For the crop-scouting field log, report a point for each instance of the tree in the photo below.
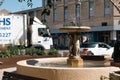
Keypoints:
(116, 3)
(1, 2)
(46, 10)
(29, 2)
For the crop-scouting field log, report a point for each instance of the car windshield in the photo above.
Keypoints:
(88, 45)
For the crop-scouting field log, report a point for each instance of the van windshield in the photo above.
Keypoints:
(43, 32)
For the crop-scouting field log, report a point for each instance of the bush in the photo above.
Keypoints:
(40, 52)
(34, 51)
(14, 50)
(3, 54)
(53, 51)
(30, 50)
(11, 51)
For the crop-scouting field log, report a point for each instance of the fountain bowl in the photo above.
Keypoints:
(57, 69)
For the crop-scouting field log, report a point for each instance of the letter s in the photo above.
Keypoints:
(8, 21)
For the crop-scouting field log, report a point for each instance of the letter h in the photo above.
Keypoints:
(2, 21)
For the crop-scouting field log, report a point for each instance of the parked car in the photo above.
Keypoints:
(96, 48)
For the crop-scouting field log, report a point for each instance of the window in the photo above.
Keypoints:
(118, 35)
(91, 7)
(65, 1)
(104, 23)
(77, 10)
(65, 13)
(107, 7)
(43, 32)
(45, 2)
(55, 1)
(119, 22)
(54, 14)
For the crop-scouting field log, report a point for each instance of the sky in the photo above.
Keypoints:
(14, 5)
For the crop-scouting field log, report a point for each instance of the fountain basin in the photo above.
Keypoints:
(57, 69)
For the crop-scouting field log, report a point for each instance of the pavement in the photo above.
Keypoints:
(12, 69)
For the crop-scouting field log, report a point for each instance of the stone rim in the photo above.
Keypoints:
(74, 28)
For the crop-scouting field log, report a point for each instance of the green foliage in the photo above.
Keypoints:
(53, 51)
(30, 50)
(46, 12)
(34, 51)
(1, 2)
(11, 51)
(21, 0)
(106, 78)
(50, 3)
(21, 50)
(3, 54)
(21, 47)
(40, 52)
(29, 2)
(47, 8)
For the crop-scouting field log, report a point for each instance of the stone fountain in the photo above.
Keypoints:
(66, 68)
(74, 58)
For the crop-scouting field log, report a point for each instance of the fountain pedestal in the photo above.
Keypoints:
(75, 62)
(74, 59)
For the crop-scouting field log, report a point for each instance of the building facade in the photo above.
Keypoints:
(35, 12)
(101, 15)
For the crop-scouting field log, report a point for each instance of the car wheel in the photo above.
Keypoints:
(90, 53)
